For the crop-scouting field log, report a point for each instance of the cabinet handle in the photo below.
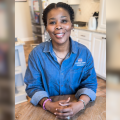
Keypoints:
(83, 35)
(103, 38)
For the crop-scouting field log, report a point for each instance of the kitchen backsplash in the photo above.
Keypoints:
(87, 7)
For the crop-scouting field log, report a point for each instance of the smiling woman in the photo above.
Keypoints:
(60, 66)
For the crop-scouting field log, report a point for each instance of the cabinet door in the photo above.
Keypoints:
(65, 1)
(103, 59)
(97, 47)
(102, 16)
(52, 1)
(56, 1)
(73, 1)
(86, 43)
(74, 33)
(74, 38)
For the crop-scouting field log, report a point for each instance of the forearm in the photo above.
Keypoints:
(85, 98)
(42, 101)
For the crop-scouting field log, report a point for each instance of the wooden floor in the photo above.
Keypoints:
(101, 90)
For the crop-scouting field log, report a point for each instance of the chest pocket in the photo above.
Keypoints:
(76, 74)
(75, 78)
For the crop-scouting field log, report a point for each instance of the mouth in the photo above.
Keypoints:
(59, 35)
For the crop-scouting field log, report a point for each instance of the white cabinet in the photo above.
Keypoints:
(73, 2)
(70, 2)
(99, 53)
(84, 37)
(56, 1)
(86, 43)
(74, 34)
(103, 58)
(102, 16)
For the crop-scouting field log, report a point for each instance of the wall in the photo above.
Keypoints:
(87, 8)
(112, 9)
(23, 29)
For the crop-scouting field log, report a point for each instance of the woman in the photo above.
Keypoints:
(60, 66)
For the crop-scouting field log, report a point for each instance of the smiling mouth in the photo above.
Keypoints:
(60, 35)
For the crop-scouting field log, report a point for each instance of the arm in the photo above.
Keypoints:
(88, 84)
(34, 85)
(33, 80)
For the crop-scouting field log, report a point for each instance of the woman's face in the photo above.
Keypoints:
(59, 25)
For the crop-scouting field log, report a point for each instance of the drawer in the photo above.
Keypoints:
(84, 35)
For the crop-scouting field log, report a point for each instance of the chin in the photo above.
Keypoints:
(60, 41)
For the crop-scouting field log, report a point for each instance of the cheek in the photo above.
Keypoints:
(49, 29)
(68, 27)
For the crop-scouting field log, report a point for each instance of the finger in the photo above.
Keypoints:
(64, 114)
(65, 109)
(65, 101)
(64, 104)
(65, 118)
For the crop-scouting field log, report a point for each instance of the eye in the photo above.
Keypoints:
(52, 22)
(64, 21)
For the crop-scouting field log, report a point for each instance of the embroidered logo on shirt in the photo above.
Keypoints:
(80, 60)
(80, 63)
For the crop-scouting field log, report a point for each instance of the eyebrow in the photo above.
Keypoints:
(54, 18)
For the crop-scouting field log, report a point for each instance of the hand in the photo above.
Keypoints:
(71, 109)
(51, 106)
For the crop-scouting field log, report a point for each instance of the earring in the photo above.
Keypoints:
(46, 33)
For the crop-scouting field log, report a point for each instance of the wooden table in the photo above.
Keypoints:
(94, 110)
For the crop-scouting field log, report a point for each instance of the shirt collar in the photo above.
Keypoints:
(49, 48)
(74, 46)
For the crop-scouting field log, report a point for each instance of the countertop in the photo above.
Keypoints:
(94, 110)
(86, 29)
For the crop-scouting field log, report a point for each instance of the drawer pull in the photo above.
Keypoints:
(83, 35)
(103, 38)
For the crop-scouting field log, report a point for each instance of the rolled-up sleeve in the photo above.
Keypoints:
(88, 84)
(33, 80)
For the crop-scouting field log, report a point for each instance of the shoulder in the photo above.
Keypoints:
(81, 47)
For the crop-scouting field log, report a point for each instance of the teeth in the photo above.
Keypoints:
(60, 34)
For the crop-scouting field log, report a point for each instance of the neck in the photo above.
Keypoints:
(61, 48)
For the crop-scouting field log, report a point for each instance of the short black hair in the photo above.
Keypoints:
(51, 6)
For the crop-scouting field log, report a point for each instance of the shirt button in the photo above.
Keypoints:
(62, 73)
(61, 85)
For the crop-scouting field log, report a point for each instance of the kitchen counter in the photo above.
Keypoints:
(86, 29)
(94, 110)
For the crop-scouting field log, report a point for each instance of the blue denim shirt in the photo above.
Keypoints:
(45, 77)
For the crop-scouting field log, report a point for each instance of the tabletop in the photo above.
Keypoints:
(94, 110)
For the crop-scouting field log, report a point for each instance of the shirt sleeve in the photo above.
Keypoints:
(33, 80)
(88, 84)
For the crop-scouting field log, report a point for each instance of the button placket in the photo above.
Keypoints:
(61, 82)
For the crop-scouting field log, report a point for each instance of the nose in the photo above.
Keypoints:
(58, 26)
